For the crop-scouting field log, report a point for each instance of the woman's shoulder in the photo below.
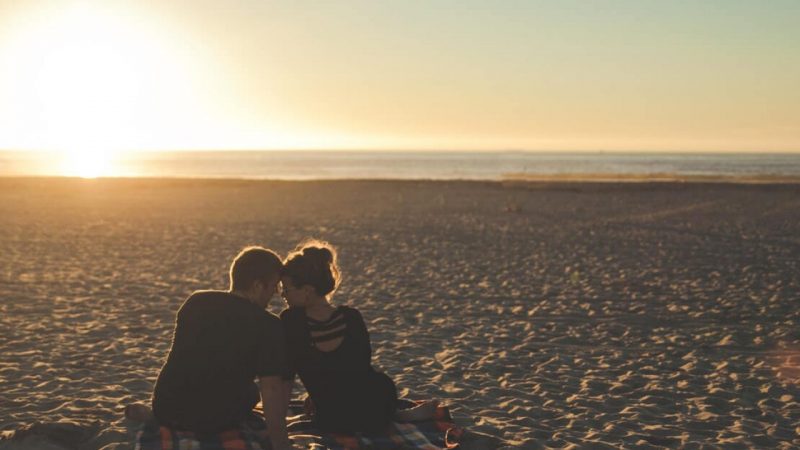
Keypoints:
(352, 315)
(348, 310)
(297, 315)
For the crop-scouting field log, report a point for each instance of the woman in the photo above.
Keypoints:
(329, 349)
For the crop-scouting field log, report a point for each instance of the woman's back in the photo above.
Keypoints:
(332, 358)
(335, 347)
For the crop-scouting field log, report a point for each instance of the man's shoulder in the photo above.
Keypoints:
(198, 297)
(209, 293)
(216, 300)
(201, 295)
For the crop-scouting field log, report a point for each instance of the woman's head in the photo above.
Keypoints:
(310, 272)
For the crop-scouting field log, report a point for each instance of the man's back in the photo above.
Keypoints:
(221, 343)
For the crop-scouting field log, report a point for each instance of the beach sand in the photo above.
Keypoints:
(547, 314)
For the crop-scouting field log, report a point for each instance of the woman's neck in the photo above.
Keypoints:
(319, 308)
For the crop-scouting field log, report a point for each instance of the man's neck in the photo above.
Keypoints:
(245, 295)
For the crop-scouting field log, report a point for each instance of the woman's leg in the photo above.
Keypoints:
(423, 411)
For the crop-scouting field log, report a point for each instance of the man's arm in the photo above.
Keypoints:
(272, 399)
(287, 392)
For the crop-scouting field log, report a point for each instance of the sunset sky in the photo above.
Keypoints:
(534, 75)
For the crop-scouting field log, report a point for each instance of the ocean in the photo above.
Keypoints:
(307, 165)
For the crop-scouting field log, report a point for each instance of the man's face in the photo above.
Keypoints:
(268, 288)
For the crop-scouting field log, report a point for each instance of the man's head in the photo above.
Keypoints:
(255, 274)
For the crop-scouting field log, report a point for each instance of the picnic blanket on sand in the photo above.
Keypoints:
(438, 433)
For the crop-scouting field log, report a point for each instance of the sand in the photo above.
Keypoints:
(548, 315)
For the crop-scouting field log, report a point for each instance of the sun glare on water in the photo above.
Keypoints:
(87, 163)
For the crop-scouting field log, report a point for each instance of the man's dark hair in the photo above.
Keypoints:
(253, 264)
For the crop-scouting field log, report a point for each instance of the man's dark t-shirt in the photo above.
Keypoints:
(222, 342)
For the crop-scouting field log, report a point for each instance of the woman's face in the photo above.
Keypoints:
(294, 296)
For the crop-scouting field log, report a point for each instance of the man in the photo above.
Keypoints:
(223, 340)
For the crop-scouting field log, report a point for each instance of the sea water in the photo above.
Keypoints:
(306, 165)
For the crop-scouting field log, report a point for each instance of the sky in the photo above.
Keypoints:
(447, 75)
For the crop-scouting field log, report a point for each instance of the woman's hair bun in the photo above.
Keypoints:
(313, 263)
(319, 254)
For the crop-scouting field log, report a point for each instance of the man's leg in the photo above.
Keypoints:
(138, 412)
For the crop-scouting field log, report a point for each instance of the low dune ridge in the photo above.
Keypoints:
(547, 315)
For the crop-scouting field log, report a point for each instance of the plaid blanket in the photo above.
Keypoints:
(436, 434)
(251, 435)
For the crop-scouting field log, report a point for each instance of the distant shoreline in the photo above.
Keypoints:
(514, 178)
(500, 166)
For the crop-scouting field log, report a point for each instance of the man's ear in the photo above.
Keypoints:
(308, 290)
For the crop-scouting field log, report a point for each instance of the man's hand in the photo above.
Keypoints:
(308, 406)
(287, 393)
(273, 400)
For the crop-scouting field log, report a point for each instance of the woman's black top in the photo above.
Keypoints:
(348, 394)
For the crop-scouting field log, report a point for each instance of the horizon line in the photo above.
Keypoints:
(423, 150)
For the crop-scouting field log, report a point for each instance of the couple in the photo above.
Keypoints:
(224, 340)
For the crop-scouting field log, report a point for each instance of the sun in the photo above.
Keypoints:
(88, 89)
(87, 163)
(89, 81)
